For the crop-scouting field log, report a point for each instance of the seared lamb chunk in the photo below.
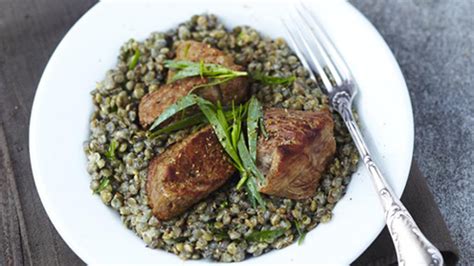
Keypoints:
(233, 90)
(154, 103)
(185, 173)
(292, 159)
(297, 151)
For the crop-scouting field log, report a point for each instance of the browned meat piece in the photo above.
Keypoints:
(196, 51)
(154, 103)
(299, 146)
(186, 173)
(235, 89)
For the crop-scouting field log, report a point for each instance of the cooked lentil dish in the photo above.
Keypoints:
(224, 226)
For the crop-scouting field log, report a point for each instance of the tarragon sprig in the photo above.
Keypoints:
(217, 73)
(227, 125)
(273, 80)
(134, 60)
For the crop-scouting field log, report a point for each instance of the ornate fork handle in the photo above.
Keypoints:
(412, 246)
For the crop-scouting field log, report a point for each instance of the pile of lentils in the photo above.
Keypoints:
(216, 228)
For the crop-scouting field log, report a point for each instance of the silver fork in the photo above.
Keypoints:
(319, 55)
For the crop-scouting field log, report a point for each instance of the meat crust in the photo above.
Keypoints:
(299, 146)
(154, 103)
(233, 90)
(185, 173)
(293, 157)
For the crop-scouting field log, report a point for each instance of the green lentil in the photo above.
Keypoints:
(216, 227)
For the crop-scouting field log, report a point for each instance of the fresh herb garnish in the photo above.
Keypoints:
(134, 61)
(232, 140)
(230, 135)
(186, 122)
(248, 162)
(301, 234)
(250, 192)
(262, 128)
(265, 235)
(244, 174)
(212, 83)
(186, 49)
(104, 182)
(255, 115)
(236, 129)
(183, 103)
(217, 73)
(224, 204)
(242, 37)
(273, 80)
(253, 193)
(110, 153)
(249, 156)
(221, 128)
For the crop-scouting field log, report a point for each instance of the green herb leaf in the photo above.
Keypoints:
(262, 128)
(221, 131)
(104, 182)
(177, 64)
(236, 125)
(254, 194)
(185, 73)
(247, 160)
(201, 68)
(242, 36)
(265, 235)
(224, 204)
(183, 103)
(211, 84)
(219, 71)
(273, 80)
(186, 69)
(255, 114)
(134, 61)
(221, 116)
(248, 189)
(186, 49)
(231, 137)
(183, 69)
(110, 153)
(301, 234)
(186, 122)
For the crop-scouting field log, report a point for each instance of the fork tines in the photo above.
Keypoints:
(314, 48)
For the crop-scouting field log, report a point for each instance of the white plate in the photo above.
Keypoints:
(62, 107)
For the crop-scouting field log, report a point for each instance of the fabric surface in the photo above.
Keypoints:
(29, 32)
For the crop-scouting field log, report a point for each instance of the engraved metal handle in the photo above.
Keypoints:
(411, 245)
